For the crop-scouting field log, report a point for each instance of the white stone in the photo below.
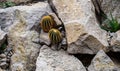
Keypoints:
(50, 60)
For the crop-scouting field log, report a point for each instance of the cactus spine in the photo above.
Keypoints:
(55, 36)
(47, 23)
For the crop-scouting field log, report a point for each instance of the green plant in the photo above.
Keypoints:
(2, 48)
(6, 4)
(47, 23)
(111, 25)
(55, 36)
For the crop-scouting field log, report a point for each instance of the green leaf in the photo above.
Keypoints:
(111, 25)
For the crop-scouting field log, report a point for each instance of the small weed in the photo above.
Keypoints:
(111, 25)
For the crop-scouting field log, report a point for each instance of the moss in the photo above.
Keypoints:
(6, 4)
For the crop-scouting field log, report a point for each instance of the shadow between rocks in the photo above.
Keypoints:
(85, 58)
(115, 57)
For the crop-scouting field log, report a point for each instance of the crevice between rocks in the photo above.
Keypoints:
(100, 16)
(115, 56)
(85, 59)
(55, 11)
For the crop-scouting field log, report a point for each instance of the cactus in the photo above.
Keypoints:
(47, 23)
(55, 36)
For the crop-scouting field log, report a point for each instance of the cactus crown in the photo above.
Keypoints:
(47, 23)
(55, 36)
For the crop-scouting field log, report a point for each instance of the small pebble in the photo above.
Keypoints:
(64, 42)
(2, 56)
(63, 33)
(60, 28)
(3, 60)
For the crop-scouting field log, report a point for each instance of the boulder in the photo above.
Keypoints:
(101, 62)
(82, 29)
(22, 35)
(32, 14)
(50, 60)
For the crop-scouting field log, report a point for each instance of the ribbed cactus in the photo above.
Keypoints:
(55, 36)
(47, 23)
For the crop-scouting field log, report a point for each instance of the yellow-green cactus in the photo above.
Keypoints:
(47, 23)
(55, 36)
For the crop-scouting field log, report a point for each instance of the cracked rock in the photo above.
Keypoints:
(21, 37)
(50, 60)
(101, 62)
(81, 26)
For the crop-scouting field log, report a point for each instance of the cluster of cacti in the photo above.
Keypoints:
(47, 23)
(55, 36)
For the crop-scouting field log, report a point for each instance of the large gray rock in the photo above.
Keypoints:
(32, 14)
(101, 62)
(21, 37)
(83, 32)
(50, 60)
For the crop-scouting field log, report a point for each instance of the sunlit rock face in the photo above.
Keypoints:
(83, 32)
(21, 34)
(50, 60)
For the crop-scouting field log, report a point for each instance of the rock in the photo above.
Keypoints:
(8, 51)
(2, 56)
(25, 51)
(21, 37)
(101, 62)
(3, 60)
(3, 65)
(3, 36)
(115, 42)
(49, 60)
(81, 26)
(8, 15)
(2, 69)
(112, 6)
(58, 22)
(44, 38)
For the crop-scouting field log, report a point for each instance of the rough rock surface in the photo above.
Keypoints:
(81, 26)
(101, 62)
(50, 60)
(21, 37)
(112, 6)
(115, 42)
(32, 14)
(2, 37)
